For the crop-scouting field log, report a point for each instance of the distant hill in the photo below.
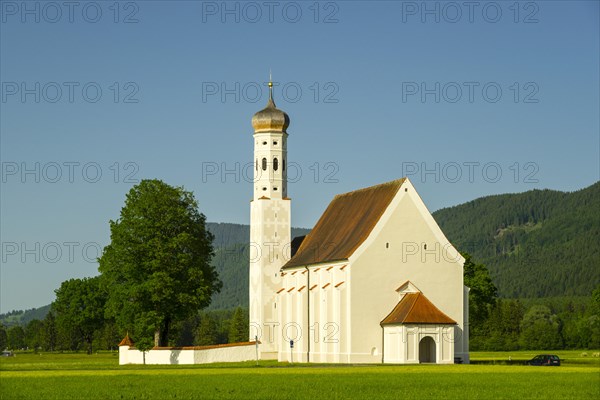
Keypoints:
(20, 317)
(540, 243)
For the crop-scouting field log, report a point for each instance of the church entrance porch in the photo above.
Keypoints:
(427, 350)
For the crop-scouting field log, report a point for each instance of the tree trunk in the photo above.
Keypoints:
(157, 337)
(164, 334)
(161, 334)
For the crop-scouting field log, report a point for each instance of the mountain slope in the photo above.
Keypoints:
(540, 243)
(232, 261)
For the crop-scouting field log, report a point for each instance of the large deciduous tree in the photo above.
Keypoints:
(541, 330)
(79, 308)
(157, 267)
(15, 337)
(483, 293)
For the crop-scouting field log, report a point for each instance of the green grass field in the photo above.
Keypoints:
(78, 376)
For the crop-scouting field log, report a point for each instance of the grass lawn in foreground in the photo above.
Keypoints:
(78, 376)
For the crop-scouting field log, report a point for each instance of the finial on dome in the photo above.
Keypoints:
(271, 88)
(270, 119)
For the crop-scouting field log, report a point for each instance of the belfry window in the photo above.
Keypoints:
(275, 164)
(264, 164)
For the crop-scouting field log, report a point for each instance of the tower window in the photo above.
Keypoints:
(264, 189)
(264, 143)
(256, 165)
(275, 189)
(264, 164)
(424, 246)
(274, 142)
(275, 164)
(387, 245)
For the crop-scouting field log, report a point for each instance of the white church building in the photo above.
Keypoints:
(375, 281)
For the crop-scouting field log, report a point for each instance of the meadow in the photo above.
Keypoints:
(79, 376)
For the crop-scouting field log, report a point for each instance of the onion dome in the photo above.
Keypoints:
(270, 118)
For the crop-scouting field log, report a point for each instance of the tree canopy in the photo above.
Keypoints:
(483, 293)
(158, 263)
(80, 305)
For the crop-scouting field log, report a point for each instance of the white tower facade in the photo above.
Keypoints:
(270, 224)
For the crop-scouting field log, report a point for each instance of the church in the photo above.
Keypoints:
(375, 281)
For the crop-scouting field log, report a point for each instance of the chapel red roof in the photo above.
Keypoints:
(345, 224)
(415, 308)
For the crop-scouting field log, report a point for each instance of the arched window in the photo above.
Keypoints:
(264, 164)
(275, 164)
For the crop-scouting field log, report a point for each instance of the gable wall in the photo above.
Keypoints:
(378, 271)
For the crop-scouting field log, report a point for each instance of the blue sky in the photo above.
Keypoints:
(502, 97)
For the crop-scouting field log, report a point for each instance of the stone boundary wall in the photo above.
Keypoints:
(233, 352)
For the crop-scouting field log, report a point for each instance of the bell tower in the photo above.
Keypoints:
(270, 224)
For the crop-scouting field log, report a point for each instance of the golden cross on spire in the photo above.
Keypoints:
(270, 86)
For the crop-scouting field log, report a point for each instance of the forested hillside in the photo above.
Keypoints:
(540, 243)
(232, 262)
(20, 317)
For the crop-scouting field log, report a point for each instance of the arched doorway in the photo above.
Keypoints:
(427, 350)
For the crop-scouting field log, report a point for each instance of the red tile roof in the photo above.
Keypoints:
(345, 224)
(126, 341)
(214, 346)
(415, 308)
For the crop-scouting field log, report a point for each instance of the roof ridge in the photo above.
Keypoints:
(399, 181)
(412, 305)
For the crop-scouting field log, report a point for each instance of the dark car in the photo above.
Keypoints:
(545, 360)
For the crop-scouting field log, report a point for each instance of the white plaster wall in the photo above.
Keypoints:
(270, 237)
(401, 343)
(378, 270)
(325, 335)
(269, 178)
(129, 355)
